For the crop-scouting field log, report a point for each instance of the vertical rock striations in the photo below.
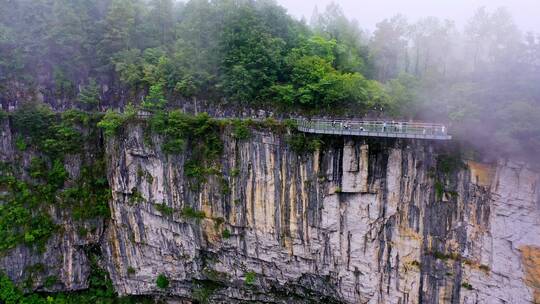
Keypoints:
(358, 221)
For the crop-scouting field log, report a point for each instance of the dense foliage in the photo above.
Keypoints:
(30, 192)
(105, 53)
(231, 50)
(126, 57)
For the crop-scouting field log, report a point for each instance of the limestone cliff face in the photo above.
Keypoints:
(358, 221)
(65, 255)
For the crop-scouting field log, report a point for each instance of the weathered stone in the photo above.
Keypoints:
(387, 237)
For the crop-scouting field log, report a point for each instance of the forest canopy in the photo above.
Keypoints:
(246, 52)
(94, 55)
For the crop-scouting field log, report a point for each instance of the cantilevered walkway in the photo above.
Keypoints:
(392, 129)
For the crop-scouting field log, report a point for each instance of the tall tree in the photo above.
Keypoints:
(431, 46)
(351, 53)
(252, 56)
(119, 27)
(389, 47)
(161, 20)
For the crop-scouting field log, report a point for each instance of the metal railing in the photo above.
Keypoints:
(393, 129)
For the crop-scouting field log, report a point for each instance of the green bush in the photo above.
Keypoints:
(218, 221)
(439, 190)
(203, 293)
(226, 234)
(50, 281)
(22, 219)
(241, 130)
(290, 123)
(164, 209)
(20, 143)
(33, 121)
(449, 163)
(302, 143)
(190, 213)
(43, 129)
(467, 286)
(135, 197)
(100, 291)
(235, 172)
(76, 117)
(200, 132)
(89, 97)
(111, 122)
(82, 231)
(162, 281)
(130, 271)
(174, 146)
(89, 196)
(9, 293)
(250, 278)
(156, 98)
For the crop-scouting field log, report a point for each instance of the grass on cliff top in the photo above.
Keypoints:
(112, 121)
(201, 133)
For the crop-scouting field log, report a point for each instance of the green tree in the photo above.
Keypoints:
(351, 51)
(129, 66)
(89, 95)
(403, 95)
(119, 26)
(389, 47)
(315, 83)
(252, 56)
(161, 20)
(155, 98)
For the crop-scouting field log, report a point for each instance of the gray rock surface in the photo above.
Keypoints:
(358, 221)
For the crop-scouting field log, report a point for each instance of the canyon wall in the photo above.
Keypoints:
(356, 221)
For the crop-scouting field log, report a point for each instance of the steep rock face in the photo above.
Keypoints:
(358, 221)
(510, 244)
(64, 256)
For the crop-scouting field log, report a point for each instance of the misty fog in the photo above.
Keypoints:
(478, 73)
(368, 14)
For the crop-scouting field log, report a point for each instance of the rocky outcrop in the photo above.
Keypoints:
(509, 243)
(357, 221)
(63, 260)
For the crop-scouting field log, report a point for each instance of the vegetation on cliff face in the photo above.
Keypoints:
(100, 291)
(105, 55)
(32, 191)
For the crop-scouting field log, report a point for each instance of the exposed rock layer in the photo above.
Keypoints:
(358, 221)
